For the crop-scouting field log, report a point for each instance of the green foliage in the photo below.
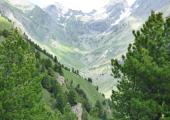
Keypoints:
(90, 91)
(4, 24)
(90, 80)
(57, 68)
(81, 92)
(85, 115)
(61, 102)
(143, 89)
(20, 88)
(72, 97)
(5, 33)
(49, 83)
(37, 55)
(22, 72)
(69, 115)
(75, 71)
(28, 83)
(47, 63)
(87, 106)
(55, 59)
(98, 111)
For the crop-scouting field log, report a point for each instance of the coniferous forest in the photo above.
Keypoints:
(31, 87)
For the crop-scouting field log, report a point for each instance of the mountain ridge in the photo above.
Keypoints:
(84, 41)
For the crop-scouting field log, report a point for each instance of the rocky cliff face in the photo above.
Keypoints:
(86, 41)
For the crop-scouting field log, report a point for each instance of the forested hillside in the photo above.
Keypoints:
(35, 86)
(85, 41)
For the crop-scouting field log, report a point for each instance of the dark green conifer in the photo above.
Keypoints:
(143, 89)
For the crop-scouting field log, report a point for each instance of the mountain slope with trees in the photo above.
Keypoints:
(76, 37)
(30, 83)
(34, 85)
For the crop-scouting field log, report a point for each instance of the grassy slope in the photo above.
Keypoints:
(4, 24)
(87, 87)
(66, 54)
(92, 94)
(49, 100)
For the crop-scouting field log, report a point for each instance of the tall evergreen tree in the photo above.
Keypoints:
(20, 88)
(143, 89)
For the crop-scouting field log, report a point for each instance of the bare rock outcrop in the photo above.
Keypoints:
(61, 80)
(78, 110)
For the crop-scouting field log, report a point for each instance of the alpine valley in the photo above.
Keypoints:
(84, 41)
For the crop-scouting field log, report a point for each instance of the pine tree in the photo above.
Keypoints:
(20, 88)
(61, 102)
(72, 97)
(55, 59)
(143, 89)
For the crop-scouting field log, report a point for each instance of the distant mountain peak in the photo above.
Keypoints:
(113, 2)
(86, 40)
(58, 7)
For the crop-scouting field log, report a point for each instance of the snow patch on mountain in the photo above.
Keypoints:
(100, 14)
(62, 8)
(104, 55)
(84, 18)
(130, 2)
(88, 40)
(124, 14)
(113, 2)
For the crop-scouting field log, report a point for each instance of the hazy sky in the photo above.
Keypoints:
(84, 5)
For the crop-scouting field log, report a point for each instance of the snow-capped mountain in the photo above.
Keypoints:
(86, 41)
